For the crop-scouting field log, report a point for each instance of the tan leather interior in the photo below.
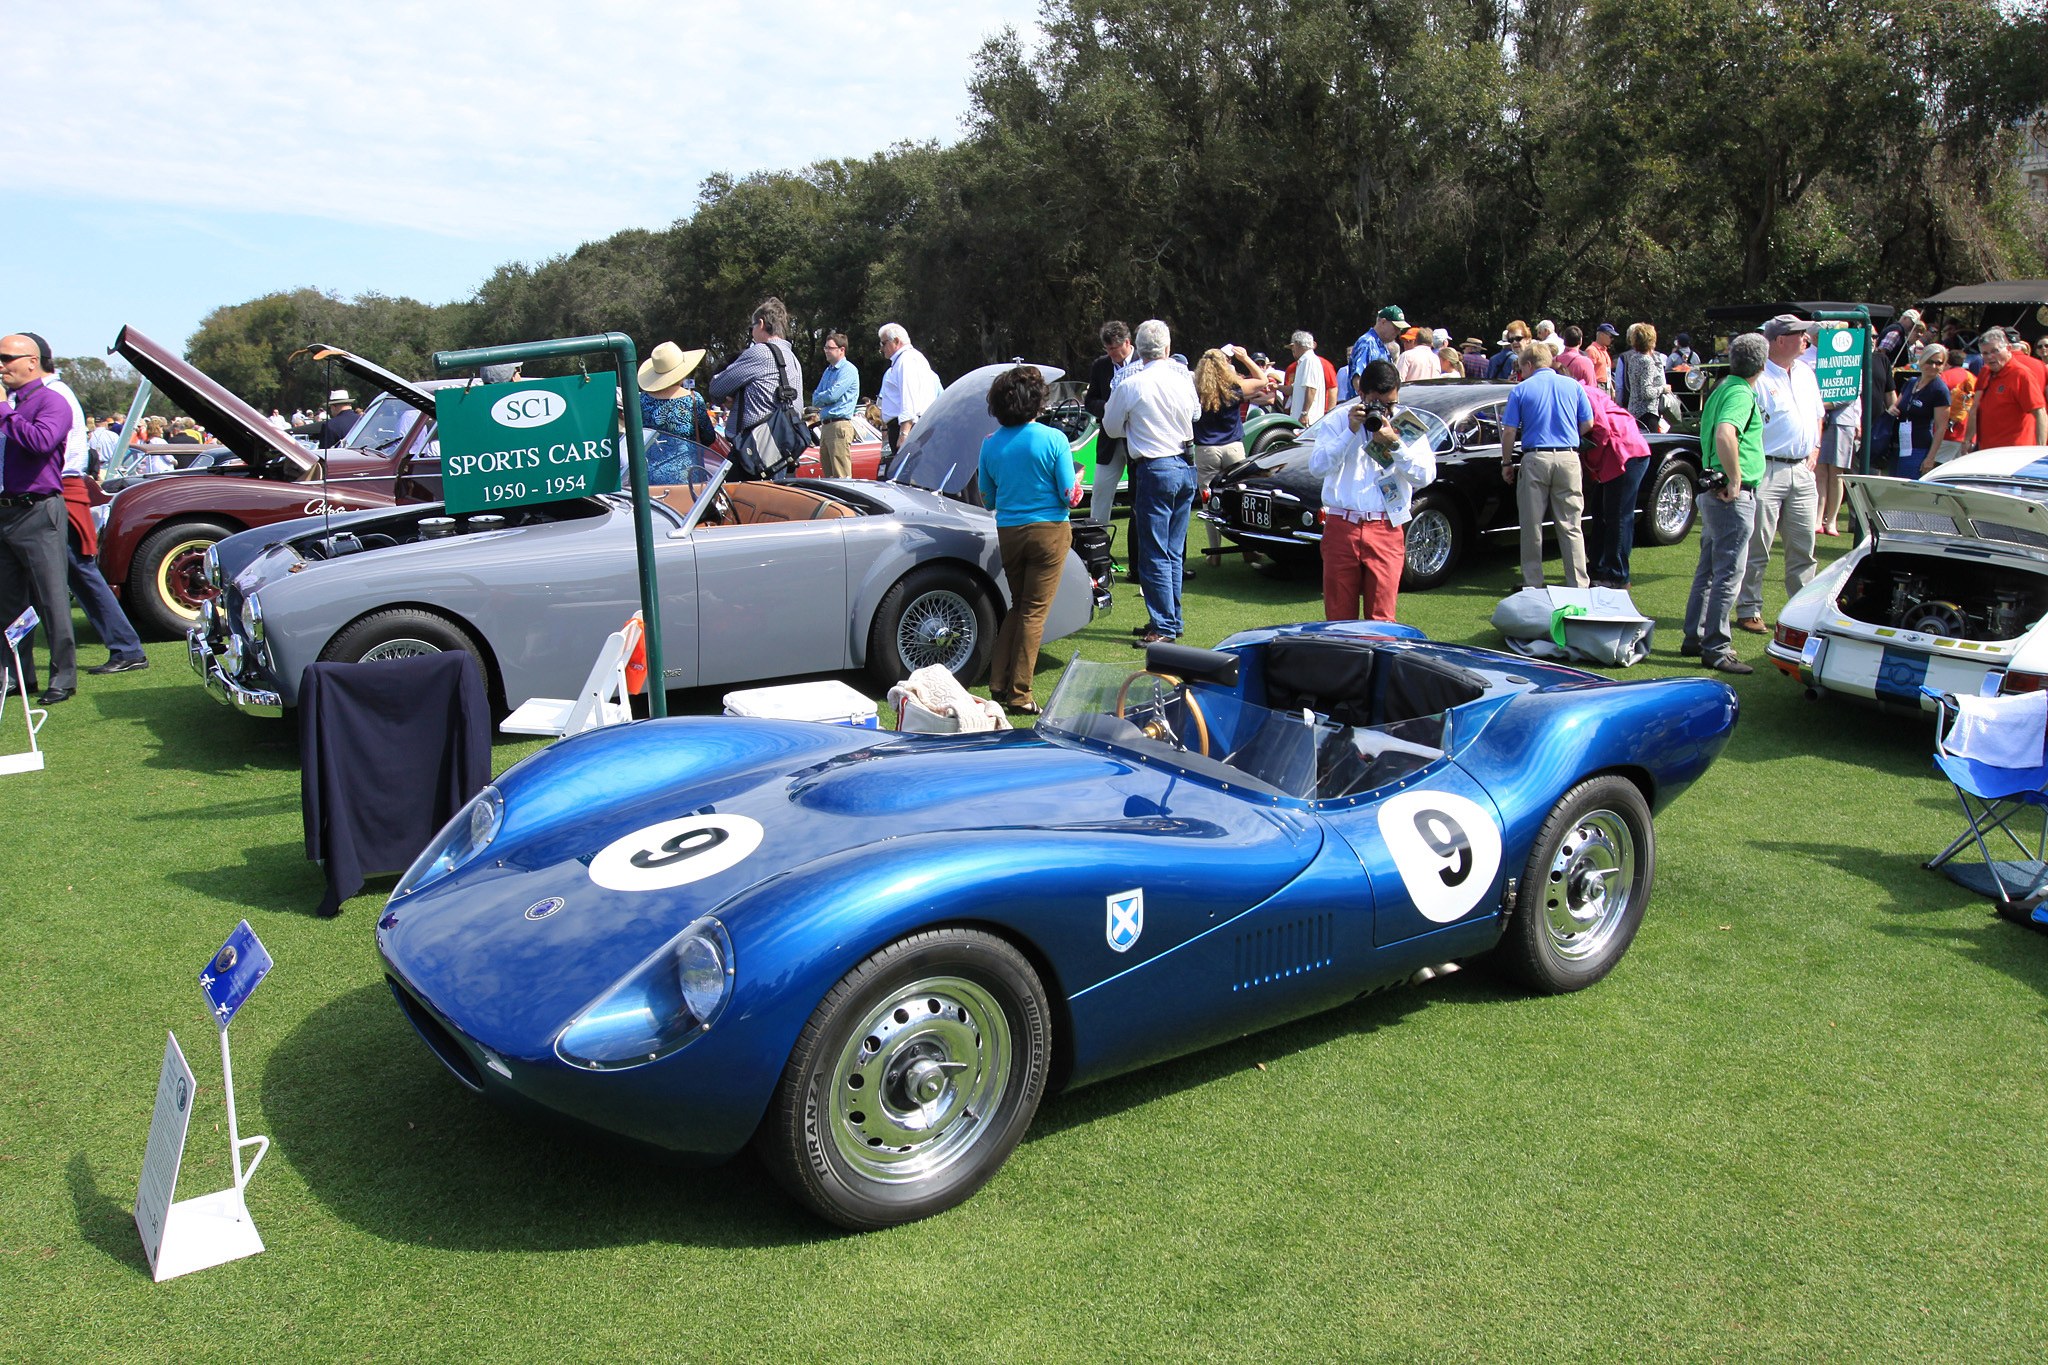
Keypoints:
(752, 504)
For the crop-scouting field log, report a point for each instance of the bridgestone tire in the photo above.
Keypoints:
(400, 633)
(165, 584)
(956, 1011)
(1584, 890)
(949, 620)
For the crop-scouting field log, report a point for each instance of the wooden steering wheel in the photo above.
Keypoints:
(1194, 708)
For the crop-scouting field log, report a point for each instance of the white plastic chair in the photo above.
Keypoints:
(602, 700)
(33, 716)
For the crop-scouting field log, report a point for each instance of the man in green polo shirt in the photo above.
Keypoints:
(1731, 440)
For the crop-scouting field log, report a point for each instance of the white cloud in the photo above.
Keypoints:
(521, 121)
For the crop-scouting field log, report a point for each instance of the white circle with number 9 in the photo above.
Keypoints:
(1447, 849)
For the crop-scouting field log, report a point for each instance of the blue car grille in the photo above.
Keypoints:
(437, 1037)
(1267, 955)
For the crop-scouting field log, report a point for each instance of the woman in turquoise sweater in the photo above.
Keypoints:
(1029, 480)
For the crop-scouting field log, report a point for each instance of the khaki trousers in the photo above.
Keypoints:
(1033, 557)
(1551, 481)
(835, 448)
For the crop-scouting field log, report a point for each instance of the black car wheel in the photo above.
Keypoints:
(913, 1081)
(1436, 542)
(1270, 438)
(1672, 504)
(933, 615)
(402, 633)
(167, 577)
(1584, 890)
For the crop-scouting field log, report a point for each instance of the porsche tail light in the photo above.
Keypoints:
(2022, 682)
(1789, 638)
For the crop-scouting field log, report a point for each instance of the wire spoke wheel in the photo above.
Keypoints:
(1671, 513)
(918, 1079)
(1429, 542)
(399, 649)
(938, 627)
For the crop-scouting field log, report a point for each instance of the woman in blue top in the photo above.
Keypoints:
(1030, 481)
(1924, 408)
(677, 421)
(1225, 381)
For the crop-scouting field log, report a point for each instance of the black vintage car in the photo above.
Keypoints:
(1272, 504)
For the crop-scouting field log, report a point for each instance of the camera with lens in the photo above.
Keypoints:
(1375, 414)
(1713, 481)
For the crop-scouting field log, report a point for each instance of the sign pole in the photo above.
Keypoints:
(626, 362)
(1859, 318)
(235, 1140)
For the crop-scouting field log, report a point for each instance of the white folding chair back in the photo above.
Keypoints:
(601, 701)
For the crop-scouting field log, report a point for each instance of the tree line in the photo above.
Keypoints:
(1244, 170)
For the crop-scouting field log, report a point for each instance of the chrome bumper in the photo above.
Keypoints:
(226, 690)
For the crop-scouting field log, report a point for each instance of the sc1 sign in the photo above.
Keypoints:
(529, 408)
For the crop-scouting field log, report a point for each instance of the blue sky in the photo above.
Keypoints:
(204, 153)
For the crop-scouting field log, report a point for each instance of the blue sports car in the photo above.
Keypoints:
(871, 956)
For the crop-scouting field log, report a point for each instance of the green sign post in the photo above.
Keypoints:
(625, 362)
(536, 440)
(1856, 320)
(1838, 362)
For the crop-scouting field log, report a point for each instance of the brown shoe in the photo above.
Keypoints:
(1728, 663)
(1754, 625)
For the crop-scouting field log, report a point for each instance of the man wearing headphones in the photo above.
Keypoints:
(32, 518)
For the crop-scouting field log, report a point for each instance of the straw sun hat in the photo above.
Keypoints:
(666, 365)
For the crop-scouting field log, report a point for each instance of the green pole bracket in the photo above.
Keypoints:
(1861, 317)
(626, 360)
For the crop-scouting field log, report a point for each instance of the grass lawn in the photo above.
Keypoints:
(1798, 1123)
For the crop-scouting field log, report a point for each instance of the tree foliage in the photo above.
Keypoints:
(1244, 170)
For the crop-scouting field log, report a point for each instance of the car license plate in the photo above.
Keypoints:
(1258, 511)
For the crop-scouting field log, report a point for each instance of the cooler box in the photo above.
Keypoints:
(831, 703)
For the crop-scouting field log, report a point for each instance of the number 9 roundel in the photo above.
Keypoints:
(1447, 849)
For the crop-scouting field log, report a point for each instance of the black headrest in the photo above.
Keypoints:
(1193, 665)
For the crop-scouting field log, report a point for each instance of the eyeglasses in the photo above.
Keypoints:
(25, 355)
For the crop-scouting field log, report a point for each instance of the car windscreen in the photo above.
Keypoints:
(943, 453)
(1195, 729)
(383, 424)
(2015, 488)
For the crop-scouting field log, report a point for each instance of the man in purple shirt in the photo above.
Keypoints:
(32, 566)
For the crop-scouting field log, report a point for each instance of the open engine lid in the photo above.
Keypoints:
(231, 421)
(412, 395)
(1938, 512)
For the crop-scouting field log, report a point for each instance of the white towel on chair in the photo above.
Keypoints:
(2005, 732)
(937, 691)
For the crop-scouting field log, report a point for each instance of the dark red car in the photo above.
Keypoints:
(158, 529)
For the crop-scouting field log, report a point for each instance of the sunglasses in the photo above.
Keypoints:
(25, 355)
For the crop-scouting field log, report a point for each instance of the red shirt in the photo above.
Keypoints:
(2006, 403)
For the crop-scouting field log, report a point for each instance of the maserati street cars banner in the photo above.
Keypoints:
(533, 440)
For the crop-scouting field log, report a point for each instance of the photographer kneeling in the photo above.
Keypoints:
(1369, 480)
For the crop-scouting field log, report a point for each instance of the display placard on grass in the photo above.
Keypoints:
(533, 440)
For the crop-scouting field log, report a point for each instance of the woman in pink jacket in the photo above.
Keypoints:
(1615, 456)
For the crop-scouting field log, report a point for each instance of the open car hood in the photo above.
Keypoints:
(943, 454)
(1944, 513)
(412, 395)
(232, 422)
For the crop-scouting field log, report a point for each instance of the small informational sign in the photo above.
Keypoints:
(174, 1091)
(534, 440)
(232, 972)
(1838, 361)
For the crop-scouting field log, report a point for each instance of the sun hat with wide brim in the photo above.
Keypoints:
(666, 365)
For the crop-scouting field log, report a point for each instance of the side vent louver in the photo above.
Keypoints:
(1268, 955)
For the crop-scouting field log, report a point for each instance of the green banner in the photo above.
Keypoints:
(1838, 361)
(534, 440)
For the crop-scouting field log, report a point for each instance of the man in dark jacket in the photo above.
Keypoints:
(1110, 453)
(747, 386)
(341, 419)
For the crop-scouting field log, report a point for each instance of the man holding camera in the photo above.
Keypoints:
(1548, 413)
(1732, 443)
(1369, 481)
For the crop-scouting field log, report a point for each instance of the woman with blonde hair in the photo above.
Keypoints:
(1225, 380)
(1450, 362)
(1642, 376)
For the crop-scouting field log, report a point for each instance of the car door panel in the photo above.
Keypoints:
(771, 599)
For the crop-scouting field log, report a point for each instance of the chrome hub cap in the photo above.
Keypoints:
(399, 649)
(1429, 542)
(1674, 505)
(1589, 885)
(919, 1079)
(938, 628)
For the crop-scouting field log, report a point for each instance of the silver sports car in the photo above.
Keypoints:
(757, 580)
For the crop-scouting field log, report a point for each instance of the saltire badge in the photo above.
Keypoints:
(231, 973)
(1126, 919)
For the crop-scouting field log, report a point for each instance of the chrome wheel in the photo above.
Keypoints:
(398, 649)
(919, 1080)
(1589, 885)
(1430, 537)
(938, 627)
(1671, 514)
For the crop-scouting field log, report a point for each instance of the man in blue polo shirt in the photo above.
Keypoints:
(838, 390)
(1546, 414)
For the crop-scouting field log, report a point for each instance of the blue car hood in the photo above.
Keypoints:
(829, 800)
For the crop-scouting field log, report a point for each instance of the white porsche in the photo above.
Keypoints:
(1947, 589)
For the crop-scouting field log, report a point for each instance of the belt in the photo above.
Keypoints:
(1784, 459)
(24, 499)
(1552, 449)
(1347, 514)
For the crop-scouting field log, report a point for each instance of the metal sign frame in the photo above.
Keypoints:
(626, 363)
(1872, 367)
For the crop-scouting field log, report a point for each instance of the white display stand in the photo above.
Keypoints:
(32, 761)
(211, 1229)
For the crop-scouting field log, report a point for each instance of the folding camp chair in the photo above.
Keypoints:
(32, 761)
(602, 700)
(1990, 797)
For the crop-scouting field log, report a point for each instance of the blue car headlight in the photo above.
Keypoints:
(667, 1001)
(461, 839)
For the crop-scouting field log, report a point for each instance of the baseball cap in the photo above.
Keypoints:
(1392, 313)
(1608, 328)
(1784, 325)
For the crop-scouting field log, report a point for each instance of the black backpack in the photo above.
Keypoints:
(788, 436)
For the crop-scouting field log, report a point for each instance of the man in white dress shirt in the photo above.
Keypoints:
(1154, 408)
(1308, 395)
(908, 388)
(1788, 395)
(1370, 470)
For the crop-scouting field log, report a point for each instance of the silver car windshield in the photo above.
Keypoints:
(383, 425)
